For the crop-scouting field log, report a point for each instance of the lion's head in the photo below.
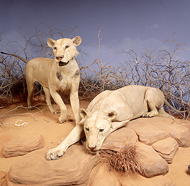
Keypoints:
(64, 49)
(97, 126)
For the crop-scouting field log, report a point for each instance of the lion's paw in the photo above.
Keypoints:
(149, 114)
(30, 108)
(62, 119)
(54, 154)
(146, 115)
(55, 112)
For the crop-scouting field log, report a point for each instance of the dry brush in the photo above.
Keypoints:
(158, 69)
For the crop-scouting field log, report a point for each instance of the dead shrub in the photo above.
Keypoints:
(157, 69)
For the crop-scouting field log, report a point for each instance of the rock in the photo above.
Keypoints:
(2, 178)
(177, 130)
(72, 169)
(101, 176)
(119, 139)
(146, 131)
(19, 146)
(167, 148)
(151, 130)
(151, 161)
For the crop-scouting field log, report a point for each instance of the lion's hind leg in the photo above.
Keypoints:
(48, 101)
(153, 110)
(154, 99)
(30, 90)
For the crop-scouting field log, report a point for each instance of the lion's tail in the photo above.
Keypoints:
(16, 56)
(168, 104)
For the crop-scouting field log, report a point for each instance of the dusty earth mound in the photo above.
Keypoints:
(161, 145)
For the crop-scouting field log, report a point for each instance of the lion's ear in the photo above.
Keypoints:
(77, 40)
(111, 115)
(83, 113)
(50, 42)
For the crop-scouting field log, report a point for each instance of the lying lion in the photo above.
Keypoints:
(59, 74)
(109, 111)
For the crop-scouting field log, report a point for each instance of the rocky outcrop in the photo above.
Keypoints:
(72, 169)
(152, 163)
(19, 146)
(156, 141)
(102, 176)
(119, 139)
(146, 131)
(166, 148)
(151, 130)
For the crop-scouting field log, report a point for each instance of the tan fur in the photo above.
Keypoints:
(59, 74)
(109, 111)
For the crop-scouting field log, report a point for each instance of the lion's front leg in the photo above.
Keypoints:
(73, 137)
(75, 105)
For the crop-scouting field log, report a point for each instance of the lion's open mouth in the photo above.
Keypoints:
(63, 63)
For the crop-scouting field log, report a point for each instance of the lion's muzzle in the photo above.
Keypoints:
(59, 58)
(92, 148)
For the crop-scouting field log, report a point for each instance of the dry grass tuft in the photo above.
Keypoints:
(125, 160)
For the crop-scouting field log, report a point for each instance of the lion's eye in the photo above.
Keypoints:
(87, 129)
(55, 48)
(67, 46)
(101, 130)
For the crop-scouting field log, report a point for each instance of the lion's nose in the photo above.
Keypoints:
(59, 58)
(92, 148)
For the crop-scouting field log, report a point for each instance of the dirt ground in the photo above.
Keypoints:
(15, 120)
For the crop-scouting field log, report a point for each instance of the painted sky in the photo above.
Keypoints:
(127, 24)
